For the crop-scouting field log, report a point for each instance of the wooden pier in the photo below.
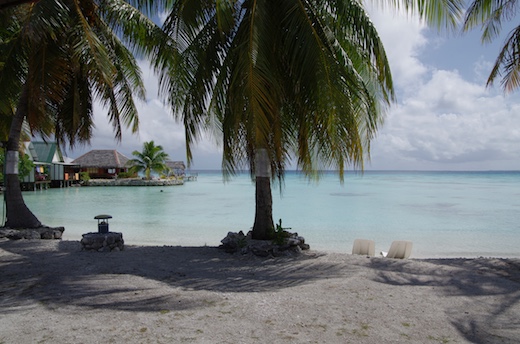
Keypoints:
(191, 177)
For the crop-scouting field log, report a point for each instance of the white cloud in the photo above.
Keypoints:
(404, 41)
(482, 68)
(450, 123)
(443, 120)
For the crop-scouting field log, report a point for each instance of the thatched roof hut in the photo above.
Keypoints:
(177, 167)
(102, 158)
(102, 163)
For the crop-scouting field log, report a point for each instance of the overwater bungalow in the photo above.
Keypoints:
(177, 168)
(50, 168)
(102, 163)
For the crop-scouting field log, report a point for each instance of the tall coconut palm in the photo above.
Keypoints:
(489, 15)
(302, 78)
(57, 57)
(152, 158)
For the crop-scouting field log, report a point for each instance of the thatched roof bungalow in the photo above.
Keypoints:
(177, 167)
(102, 163)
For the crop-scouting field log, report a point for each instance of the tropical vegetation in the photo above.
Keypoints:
(282, 80)
(490, 15)
(151, 159)
(25, 165)
(56, 58)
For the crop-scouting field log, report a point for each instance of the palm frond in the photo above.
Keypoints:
(490, 15)
(304, 78)
(439, 13)
(507, 63)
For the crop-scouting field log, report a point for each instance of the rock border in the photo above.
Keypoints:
(43, 232)
(293, 244)
(102, 242)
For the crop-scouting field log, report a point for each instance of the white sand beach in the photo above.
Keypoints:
(52, 292)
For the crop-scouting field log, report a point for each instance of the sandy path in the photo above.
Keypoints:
(51, 292)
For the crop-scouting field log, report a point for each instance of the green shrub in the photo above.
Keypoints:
(126, 175)
(25, 166)
(84, 176)
(280, 233)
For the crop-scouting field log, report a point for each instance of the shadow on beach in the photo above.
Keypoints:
(479, 297)
(102, 279)
(484, 292)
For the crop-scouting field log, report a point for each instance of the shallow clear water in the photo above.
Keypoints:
(445, 214)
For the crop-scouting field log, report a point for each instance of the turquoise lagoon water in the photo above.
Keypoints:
(445, 214)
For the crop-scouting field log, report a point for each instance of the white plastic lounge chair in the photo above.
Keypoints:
(364, 247)
(400, 249)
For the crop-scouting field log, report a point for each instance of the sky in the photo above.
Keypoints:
(445, 117)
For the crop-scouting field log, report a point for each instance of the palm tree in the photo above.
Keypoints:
(281, 79)
(489, 14)
(152, 158)
(57, 57)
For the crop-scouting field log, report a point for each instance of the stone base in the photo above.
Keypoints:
(244, 244)
(102, 242)
(43, 232)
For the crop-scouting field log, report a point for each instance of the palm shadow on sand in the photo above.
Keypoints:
(144, 278)
(485, 292)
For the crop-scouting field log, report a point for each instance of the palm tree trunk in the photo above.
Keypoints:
(264, 226)
(17, 213)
